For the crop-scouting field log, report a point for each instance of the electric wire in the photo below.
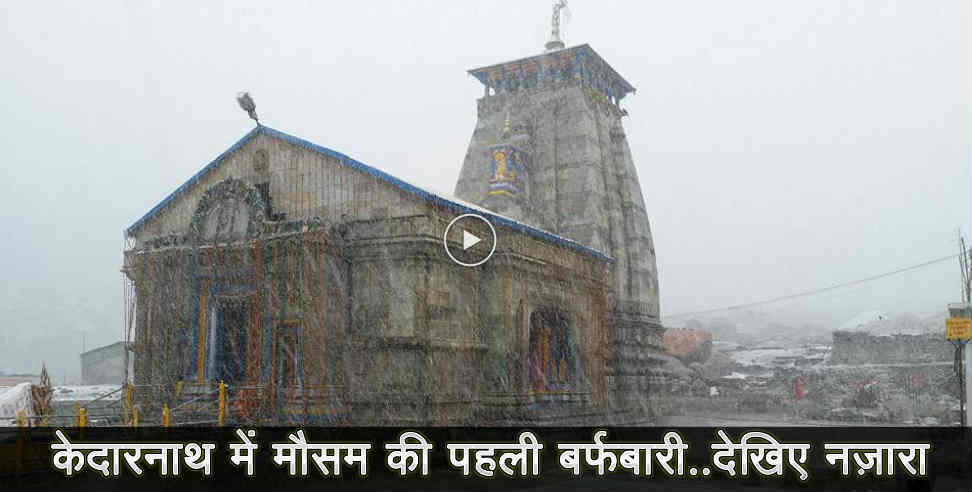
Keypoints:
(817, 291)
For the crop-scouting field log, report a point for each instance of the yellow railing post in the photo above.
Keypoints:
(135, 417)
(221, 406)
(20, 441)
(83, 417)
(128, 402)
(165, 415)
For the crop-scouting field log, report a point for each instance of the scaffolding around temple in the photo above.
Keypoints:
(261, 315)
(317, 290)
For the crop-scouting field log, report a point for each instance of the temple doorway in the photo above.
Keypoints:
(550, 352)
(227, 361)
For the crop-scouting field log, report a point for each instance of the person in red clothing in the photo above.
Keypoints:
(798, 388)
(798, 393)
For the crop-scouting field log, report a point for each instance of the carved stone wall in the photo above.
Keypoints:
(583, 185)
(360, 317)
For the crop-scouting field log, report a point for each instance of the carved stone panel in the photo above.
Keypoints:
(229, 211)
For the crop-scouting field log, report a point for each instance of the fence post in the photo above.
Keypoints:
(83, 417)
(20, 442)
(165, 415)
(221, 408)
(128, 402)
(135, 417)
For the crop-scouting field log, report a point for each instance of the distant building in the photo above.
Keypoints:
(104, 365)
(857, 347)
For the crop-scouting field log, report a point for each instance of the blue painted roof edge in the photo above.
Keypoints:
(132, 229)
(398, 183)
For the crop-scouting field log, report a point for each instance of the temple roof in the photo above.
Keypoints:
(586, 56)
(459, 206)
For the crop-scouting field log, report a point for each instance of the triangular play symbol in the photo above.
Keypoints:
(469, 240)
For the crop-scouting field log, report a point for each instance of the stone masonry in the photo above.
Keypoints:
(549, 149)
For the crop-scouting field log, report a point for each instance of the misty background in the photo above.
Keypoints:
(781, 146)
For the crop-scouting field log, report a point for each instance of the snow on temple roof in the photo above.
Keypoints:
(429, 196)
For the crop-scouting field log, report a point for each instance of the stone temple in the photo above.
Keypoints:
(318, 288)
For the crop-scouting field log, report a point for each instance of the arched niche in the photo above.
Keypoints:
(551, 365)
(228, 211)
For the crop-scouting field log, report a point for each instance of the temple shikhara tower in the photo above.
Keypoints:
(549, 149)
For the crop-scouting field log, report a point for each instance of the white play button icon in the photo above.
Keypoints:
(470, 230)
(469, 240)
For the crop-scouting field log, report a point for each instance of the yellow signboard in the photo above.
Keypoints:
(958, 328)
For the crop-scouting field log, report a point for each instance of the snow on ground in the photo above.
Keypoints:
(735, 375)
(86, 393)
(12, 400)
(770, 357)
(862, 319)
(760, 363)
(761, 357)
(724, 346)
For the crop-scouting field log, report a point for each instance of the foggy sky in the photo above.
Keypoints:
(781, 146)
